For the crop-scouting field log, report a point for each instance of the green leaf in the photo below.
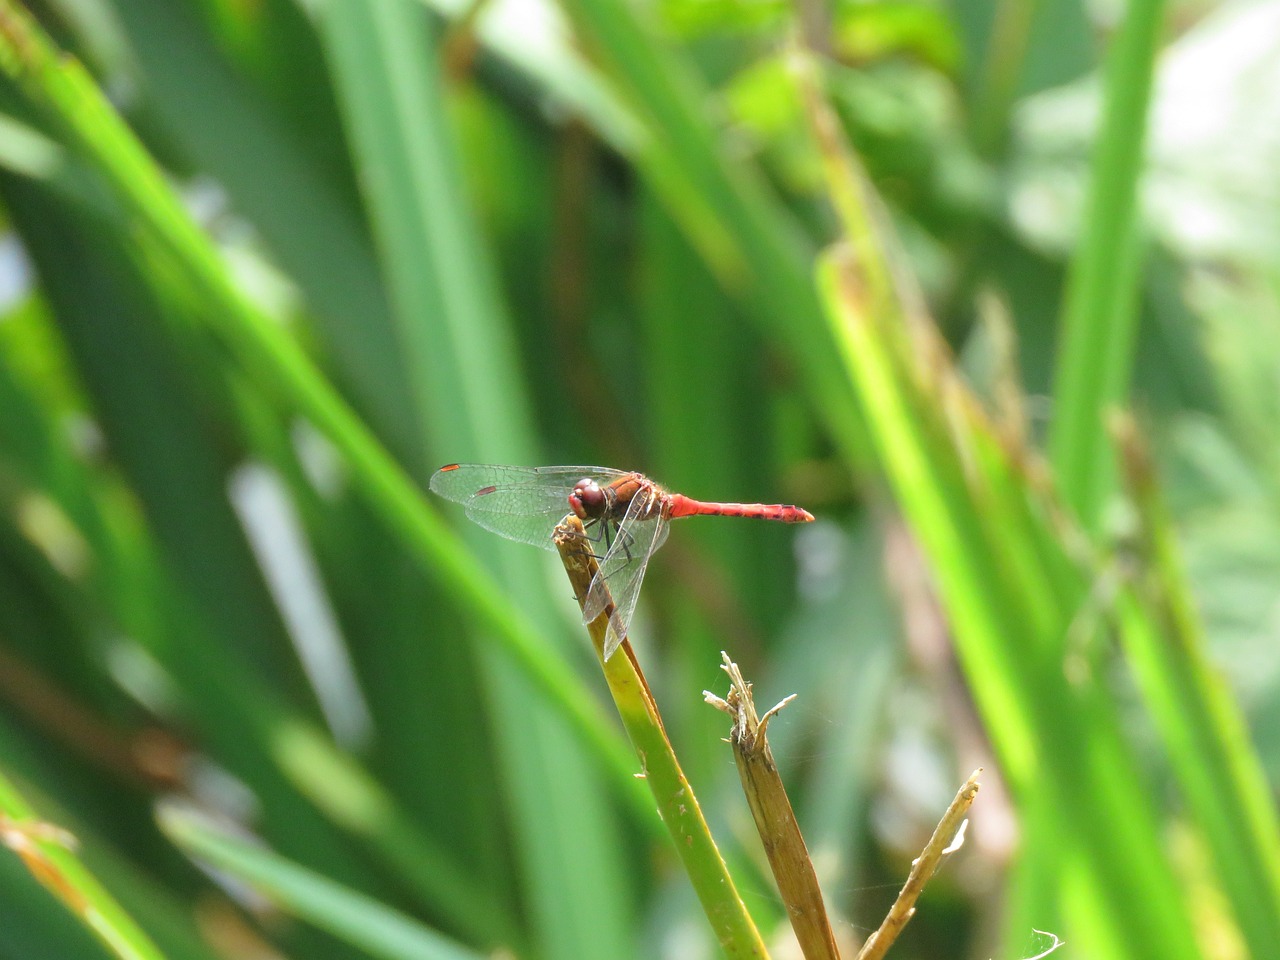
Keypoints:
(1101, 308)
(363, 922)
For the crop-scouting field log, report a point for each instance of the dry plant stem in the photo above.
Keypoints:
(775, 820)
(677, 806)
(921, 871)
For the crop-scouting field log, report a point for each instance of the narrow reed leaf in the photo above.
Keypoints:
(363, 922)
(1101, 306)
(1205, 736)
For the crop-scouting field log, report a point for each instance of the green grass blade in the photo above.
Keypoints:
(1206, 737)
(1100, 308)
(441, 292)
(107, 849)
(363, 922)
(58, 868)
(278, 172)
(1050, 738)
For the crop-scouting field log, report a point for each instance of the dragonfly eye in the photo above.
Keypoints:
(587, 499)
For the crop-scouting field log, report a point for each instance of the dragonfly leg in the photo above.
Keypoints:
(595, 531)
(628, 540)
(607, 531)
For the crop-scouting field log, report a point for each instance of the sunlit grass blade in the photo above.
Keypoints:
(1206, 737)
(941, 459)
(365, 923)
(1039, 725)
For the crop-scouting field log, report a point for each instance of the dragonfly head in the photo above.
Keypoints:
(587, 501)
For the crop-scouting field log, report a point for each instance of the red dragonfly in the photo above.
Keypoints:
(628, 512)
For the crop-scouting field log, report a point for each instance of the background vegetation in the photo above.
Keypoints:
(267, 264)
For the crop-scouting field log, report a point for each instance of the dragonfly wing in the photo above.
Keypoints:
(460, 482)
(521, 525)
(642, 531)
(519, 503)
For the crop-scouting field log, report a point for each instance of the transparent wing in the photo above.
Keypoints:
(461, 482)
(519, 503)
(642, 531)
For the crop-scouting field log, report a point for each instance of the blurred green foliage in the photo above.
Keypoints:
(266, 265)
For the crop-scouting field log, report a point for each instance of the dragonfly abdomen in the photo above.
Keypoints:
(682, 506)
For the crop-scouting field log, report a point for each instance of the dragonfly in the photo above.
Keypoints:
(624, 512)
